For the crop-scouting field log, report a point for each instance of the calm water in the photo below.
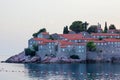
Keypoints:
(104, 71)
(59, 71)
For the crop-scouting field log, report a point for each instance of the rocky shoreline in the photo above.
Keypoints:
(21, 58)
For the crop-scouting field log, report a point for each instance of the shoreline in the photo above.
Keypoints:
(84, 62)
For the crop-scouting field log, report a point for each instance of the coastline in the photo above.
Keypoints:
(21, 58)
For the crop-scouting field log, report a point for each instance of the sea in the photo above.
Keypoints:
(75, 71)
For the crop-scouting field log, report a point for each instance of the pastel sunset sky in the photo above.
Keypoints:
(19, 19)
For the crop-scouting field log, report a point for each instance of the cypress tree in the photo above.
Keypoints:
(105, 28)
(65, 30)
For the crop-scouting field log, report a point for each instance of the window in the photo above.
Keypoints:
(31, 42)
(79, 50)
(95, 43)
(97, 36)
(111, 42)
(115, 42)
(108, 42)
(41, 46)
(101, 43)
(79, 46)
(30, 45)
(94, 36)
(118, 42)
(63, 50)
(75, 40)
(98, 43)
(82, 50)
(105, 44)
(112, 51)
(84, 34)
(68, 45)
(50, 50)
(49, 43)
(65, 39)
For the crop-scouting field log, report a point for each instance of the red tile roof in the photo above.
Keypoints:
(80, 44)
(89, 38)
(39, 39)
(112, 40)
(104, 34)
(65, 43)
(94, 40)
(44, 40)
(72, 36)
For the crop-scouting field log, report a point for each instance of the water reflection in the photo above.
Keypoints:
(56, 71)
(105, 71)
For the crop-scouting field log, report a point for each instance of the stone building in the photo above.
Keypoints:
(105, 35)
(43, 35)
(66, 45)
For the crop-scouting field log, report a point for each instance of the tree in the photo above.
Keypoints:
(65, 30)
(112, 26)
(40, 31)
(92, 29)
(76, 26)
(91, 46)
(35, 35)
(105, 28)
(30, 52)
(51, 38)
(85, 24)
(35, 47)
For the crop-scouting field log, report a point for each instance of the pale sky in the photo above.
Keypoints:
(19, 19)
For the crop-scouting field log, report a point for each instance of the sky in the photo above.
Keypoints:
(19, 19)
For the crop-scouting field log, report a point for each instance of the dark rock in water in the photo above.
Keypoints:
(16, 58)
(21, 58)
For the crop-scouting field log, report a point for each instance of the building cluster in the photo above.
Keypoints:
(66, 45)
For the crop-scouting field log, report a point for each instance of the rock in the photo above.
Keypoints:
(21, 58)
(16, 58)
(35, 59)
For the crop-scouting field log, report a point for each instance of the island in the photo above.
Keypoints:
(77, 44)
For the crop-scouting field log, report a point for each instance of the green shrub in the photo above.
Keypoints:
(91, 46)
(30, 52)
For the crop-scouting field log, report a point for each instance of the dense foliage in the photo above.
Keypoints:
(78, 26)
(91, 46)
(35, 47)
(51, 38)
(105, 28)
(29, 52)
(92, 29)
(41, 30)
(112, 26)
(65, 30)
